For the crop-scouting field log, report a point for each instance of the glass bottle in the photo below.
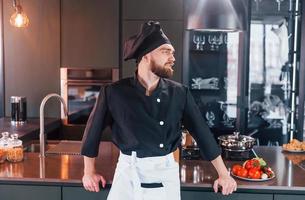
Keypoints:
(4, 142)
(15, 149)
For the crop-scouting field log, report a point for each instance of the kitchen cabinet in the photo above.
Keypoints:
(17, 192)
(79, 193)
(89, 35)
(153, 9)
(288, 197)
(192, 195)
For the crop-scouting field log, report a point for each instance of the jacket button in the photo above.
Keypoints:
(161, 145)
(161, 123)
(158, 100)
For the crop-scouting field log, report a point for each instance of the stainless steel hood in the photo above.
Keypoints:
(216, 15)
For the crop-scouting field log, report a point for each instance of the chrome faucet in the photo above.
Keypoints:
(42, 140)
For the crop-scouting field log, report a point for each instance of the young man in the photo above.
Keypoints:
(146, 113)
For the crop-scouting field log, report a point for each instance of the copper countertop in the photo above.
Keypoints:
(68, 170)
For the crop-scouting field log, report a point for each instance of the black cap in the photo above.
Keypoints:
(150, 37)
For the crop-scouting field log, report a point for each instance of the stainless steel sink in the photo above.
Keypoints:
(58, 147)
(33, 146)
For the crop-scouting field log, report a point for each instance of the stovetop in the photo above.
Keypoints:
(237, 156)
(191, 153)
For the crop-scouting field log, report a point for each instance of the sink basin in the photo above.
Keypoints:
(34, 146)
(62, 147)
(65, 139)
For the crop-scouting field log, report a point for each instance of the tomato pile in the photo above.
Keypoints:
(255, 168)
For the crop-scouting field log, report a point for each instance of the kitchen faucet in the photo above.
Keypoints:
(42, 140)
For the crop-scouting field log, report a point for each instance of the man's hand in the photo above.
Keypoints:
(227, 183)
(91, 182)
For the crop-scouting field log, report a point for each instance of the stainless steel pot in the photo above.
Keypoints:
(236, 142)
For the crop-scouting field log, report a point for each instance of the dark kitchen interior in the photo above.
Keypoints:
(243, 61)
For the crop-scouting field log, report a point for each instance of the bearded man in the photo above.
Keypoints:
(146, 113)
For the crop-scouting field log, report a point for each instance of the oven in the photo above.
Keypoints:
(80, 88)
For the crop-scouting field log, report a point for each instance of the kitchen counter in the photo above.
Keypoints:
(29, 130)
(196, 176)
(67, 169)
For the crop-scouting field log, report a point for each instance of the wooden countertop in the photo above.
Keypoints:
(68, 170)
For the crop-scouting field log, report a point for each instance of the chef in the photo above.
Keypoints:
(146, 113)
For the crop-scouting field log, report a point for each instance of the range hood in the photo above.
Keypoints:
(217, 15)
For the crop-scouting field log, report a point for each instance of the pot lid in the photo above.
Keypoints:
(236, 137)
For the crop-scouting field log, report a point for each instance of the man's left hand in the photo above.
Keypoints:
(227, 183)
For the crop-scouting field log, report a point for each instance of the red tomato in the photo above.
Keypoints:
(236, 168)
(255, 173)
(253, 163)
(243, 172)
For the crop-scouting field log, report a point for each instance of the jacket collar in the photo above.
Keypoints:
(161, 85)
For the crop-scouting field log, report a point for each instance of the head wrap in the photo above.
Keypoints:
(150, 37)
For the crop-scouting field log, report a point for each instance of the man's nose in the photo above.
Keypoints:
(172, 58)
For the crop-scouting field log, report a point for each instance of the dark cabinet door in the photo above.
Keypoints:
(288, 197)
(194, 195)
(153, 9)
(79, 193)
(17, 192)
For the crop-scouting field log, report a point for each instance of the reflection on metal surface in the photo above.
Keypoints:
(42, 167)
(302, 165)
(290, 175)
(194, 174)
(16, 170)
(229, 15)
(64, 167)
(198, 174)
(183, 173)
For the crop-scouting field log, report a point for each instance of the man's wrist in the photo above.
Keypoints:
(224, 174)
(89, 171)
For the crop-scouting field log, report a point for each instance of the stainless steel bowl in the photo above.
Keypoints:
(236, 142)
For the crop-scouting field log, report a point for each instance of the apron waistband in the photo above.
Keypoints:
(134, 156)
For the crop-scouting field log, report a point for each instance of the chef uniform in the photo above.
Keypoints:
(146, 129)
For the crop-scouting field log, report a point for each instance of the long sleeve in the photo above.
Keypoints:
(194, 122)
(98, 120)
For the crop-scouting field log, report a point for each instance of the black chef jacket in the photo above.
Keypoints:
(149, 125)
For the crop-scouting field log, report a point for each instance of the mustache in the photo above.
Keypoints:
(170, 63)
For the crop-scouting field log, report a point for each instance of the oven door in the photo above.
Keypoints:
(81, 99)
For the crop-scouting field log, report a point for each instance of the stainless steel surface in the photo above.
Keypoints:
(294, 69)
(66, 169)
(55, 147)
(65, 147)
(302, 165)
(226, 15)
(236, 142)
(34, 146)
(41, 117)
(80, 88)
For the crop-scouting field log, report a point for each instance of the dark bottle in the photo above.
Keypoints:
(18, 110)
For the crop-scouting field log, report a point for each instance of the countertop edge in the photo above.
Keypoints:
(185, 187)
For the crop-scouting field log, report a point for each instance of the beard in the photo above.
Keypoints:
(164, 71)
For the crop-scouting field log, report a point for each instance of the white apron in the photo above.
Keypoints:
(151, 178)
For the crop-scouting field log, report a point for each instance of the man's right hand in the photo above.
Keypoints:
(91, 182)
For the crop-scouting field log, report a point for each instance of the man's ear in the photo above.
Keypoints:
(146, 58)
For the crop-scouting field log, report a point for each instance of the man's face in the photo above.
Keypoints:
(162, 61)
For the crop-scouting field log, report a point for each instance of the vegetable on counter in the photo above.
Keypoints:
(255, 168)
